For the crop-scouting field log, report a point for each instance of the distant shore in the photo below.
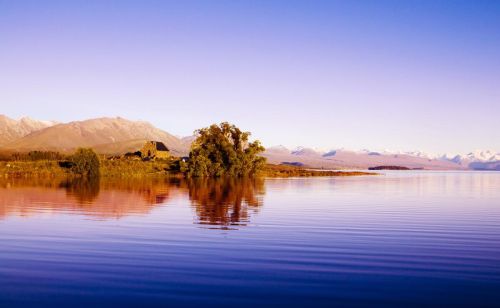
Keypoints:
(392, 168)
(292, 171)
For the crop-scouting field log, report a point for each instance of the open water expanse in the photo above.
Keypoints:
(399, 239)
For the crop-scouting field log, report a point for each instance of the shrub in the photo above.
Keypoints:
(85, 162)
(224, 150)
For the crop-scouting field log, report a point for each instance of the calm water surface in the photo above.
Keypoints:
(399, 239)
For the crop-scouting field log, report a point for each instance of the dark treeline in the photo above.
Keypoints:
(32, 156)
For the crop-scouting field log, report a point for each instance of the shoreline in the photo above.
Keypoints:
(149, 169)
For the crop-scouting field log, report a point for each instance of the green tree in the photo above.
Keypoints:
(224, 150)
(85, 162)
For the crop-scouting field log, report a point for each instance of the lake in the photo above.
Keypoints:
(397, 239)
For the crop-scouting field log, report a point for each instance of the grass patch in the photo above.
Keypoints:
(42, 168)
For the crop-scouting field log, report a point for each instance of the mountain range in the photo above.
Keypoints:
(119, 135)
(105, 135)
(347, 159)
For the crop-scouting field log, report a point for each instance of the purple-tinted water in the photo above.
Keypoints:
(400, 239)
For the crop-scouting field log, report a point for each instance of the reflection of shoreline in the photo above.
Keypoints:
(100, 199)
(221, 202)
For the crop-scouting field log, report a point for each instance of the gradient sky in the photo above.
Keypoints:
(398, 75)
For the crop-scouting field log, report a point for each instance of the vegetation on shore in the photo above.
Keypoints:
(223, 150)
(32, 169)
(85, 162)
(124, 168)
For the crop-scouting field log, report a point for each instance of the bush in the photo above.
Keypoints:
(85, 162)
(224, 149)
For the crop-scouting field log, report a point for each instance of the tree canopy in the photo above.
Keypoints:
(85, 162)
(224, 149)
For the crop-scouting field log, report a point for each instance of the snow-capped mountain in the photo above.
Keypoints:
(11, 129)
(477, 160)
(303, 151)
(477, 156)
(346, 159)
(420, 154)
(483, 156)
(342, 158)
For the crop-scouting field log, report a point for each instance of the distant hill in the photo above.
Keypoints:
(121, 147)
(11, 130)
(116, 135)
(187, 141)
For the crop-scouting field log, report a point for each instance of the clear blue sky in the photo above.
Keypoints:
(400, 75)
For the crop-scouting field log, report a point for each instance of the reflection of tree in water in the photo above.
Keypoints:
(84, 189)
(225, 201)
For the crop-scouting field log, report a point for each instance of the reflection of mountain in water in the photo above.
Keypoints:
(223, 202)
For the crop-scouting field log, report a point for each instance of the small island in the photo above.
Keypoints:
(389, 168)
